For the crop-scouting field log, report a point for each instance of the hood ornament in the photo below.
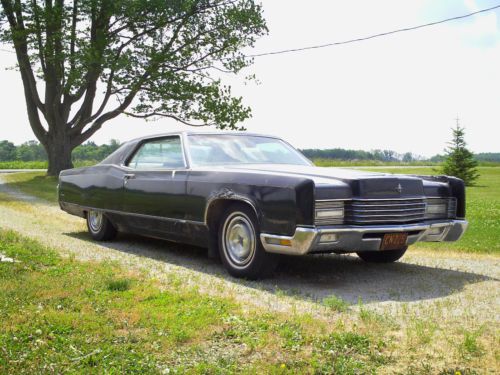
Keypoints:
(399, 188)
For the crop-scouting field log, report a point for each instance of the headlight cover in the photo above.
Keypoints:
(329, 212)
(441, 208)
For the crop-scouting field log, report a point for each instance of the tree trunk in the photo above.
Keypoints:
(59, 154)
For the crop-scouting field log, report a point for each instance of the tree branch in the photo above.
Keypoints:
(153, 65)
(160, 114)
(41, 52)
(16, 24)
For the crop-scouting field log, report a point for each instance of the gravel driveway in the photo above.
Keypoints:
(427, 304)
(422, 277)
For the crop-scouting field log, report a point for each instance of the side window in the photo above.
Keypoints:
(161, 153)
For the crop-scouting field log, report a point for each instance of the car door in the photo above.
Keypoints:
(154, 188)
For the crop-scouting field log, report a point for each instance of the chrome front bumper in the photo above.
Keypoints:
(359, 238)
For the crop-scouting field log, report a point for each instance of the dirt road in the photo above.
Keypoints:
(422, 277)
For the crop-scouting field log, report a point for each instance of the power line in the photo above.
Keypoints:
(361, 39)
(373, 36)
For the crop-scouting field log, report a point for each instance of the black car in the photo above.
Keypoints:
(249, 197)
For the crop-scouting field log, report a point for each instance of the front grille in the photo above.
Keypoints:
(384, 211)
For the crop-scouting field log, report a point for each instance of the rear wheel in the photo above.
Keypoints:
(99, 226)
(240, 248)
(386, 256)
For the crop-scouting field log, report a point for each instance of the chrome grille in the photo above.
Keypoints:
(361, 211)
(383, 211)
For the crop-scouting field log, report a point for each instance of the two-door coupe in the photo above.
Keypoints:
(249, 197)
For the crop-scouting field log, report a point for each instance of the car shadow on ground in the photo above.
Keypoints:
(314, 277)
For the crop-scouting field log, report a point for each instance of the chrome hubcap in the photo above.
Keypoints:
(95, 221)
(239, 239)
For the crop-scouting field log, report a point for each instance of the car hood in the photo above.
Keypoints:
(317, 174)
(363, 184)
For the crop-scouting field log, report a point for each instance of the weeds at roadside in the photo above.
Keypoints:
(470, 347)
(335, 303)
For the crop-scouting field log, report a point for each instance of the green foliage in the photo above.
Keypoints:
(358, 155)
(119, 285)
(30, 151)
(91, 151)
(95, 317)
(335, 303)
(470, 347)
(23, 165)
(367, 163)
(151, 59)
(33, 151)
(7, 151)
(460, 161)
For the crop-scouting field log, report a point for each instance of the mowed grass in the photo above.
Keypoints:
(483, 204)
(60, 315)
(33, 183)
(483, 211)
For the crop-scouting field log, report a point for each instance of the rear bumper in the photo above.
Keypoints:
(359, 238)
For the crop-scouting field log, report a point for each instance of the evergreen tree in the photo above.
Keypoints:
(460, 161)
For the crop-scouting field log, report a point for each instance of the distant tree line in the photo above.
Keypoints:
(344, 154)
(34, 151)
(387, 155)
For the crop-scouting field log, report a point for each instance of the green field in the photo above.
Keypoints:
(40, 164)
(66, 316)
(483, 205)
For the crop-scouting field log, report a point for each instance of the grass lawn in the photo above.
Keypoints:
(61, 315)
(33, 183)
(483, 205)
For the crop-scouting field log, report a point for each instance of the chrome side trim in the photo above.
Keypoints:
(353, 238)
(227, 195)
(106, 211)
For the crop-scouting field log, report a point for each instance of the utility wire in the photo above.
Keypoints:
(373, 36)
(291, 50)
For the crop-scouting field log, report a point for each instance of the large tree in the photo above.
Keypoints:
(85, 62)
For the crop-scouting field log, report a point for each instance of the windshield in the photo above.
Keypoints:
(241, 149)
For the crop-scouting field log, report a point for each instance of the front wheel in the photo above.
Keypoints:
(240, 248)
(385, 256)
(99, 226)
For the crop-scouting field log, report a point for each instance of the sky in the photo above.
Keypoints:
(401, 92)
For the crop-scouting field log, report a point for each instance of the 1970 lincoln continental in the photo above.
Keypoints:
(249, 197)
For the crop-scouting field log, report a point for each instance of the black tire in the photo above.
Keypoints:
(99, 226)
(385, 256)
(240, 221)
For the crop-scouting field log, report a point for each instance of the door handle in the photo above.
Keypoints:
(128, 176)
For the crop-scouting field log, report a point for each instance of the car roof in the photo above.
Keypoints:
(191, 132)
